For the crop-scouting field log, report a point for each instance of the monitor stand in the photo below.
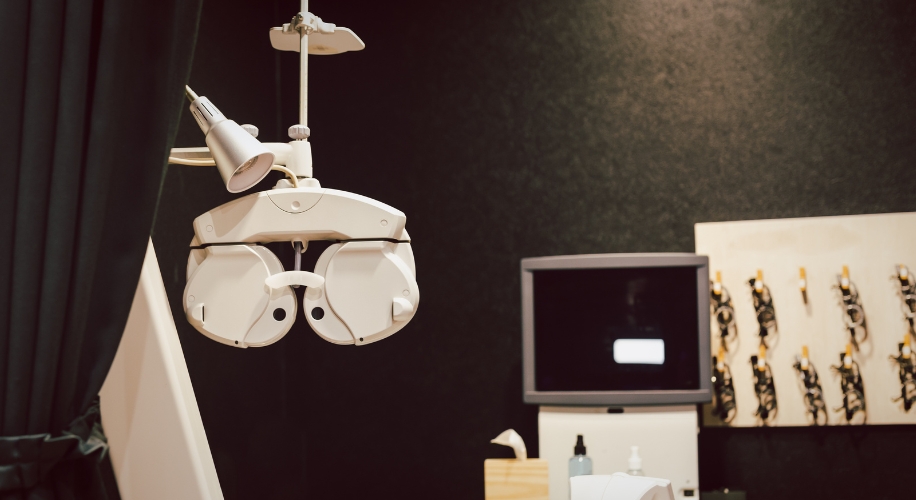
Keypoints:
(666, 436)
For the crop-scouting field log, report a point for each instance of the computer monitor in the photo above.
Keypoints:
(616, 329)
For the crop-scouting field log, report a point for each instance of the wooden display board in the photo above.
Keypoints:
(871, 246)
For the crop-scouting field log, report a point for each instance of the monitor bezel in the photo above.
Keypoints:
(616, 398)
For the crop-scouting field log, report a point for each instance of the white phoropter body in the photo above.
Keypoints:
(363, 288)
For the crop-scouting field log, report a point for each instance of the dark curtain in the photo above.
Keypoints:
(90, 96)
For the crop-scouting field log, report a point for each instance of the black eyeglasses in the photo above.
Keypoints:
(721, 307)
(814, 394)
(907, 368)
(765, 390)
(723, 402)
(853, 313)
(763, 305)
(853, 390)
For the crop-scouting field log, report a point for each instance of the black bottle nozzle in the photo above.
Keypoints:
(580, 446)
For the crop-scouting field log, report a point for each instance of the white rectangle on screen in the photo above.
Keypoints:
(639, 351)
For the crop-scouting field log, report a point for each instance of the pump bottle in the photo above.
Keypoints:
(580, 464)
(635, 462)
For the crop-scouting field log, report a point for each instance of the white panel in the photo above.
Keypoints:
(639, 351)
(159, 448)
(666, 436)
(870, 245)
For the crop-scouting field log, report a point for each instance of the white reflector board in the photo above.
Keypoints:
(639, 351)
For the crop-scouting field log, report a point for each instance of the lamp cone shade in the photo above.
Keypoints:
(242, 161)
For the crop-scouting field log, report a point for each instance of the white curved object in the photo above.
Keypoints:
(513, 440)
(290, 278)
(370, 292)
(227, 300)
(620, 486)
(302, 213)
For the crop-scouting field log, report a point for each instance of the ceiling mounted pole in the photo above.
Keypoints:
(303, 69)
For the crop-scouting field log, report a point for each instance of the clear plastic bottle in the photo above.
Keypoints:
(635, 462)
(580, 464)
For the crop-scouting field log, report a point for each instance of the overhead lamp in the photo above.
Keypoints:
(242, 161)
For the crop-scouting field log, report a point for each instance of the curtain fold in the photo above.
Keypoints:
(90, 97)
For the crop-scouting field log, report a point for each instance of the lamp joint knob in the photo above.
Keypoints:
(299, 132)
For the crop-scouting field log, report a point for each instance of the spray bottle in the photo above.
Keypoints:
(580, 464)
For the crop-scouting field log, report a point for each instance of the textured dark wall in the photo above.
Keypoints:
(525, 128)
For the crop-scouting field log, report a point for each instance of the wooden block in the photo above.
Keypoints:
(511, 479)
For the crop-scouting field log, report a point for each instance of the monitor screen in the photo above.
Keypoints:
(616, 329)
